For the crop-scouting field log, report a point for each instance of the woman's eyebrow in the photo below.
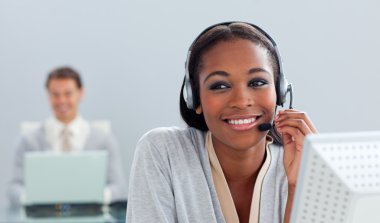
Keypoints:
(225, 74)
(216, 73)
(257, 70)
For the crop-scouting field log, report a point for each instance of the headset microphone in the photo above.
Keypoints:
(265, 127)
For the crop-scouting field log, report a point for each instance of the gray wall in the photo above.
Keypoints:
(131, 55)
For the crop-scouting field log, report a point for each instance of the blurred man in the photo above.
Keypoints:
(67, 132)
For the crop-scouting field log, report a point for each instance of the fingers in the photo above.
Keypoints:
(297, 119)
(293, 125)
(292, 135)
(297, 124)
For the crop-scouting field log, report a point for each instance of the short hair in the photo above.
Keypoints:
(64, 73)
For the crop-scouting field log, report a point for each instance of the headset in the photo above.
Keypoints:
(282, 85)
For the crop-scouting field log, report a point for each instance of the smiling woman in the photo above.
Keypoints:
(223, 167)
(237, 92)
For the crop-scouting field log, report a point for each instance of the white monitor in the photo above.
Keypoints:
(339, 179)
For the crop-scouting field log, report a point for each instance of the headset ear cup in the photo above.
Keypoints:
(187, 89)
(188, 94)
(281, 90)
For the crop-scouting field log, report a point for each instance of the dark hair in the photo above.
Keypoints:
(205, 42)
(64, 73)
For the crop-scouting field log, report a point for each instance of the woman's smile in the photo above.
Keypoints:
(237, 93)
(241, 122)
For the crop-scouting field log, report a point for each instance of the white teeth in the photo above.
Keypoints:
(241, 121)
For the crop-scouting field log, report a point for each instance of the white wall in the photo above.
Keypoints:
(131, 55)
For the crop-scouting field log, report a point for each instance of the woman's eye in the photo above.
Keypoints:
(218, 86)
(257, 83)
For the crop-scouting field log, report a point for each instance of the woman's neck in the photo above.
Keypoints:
(240, 165)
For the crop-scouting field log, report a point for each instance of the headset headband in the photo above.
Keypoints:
(282, 86)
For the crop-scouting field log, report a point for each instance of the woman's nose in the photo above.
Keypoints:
(241, 98)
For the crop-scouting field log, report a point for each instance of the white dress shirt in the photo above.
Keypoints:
(79, 131)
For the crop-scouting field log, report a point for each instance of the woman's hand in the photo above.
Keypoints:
(293, 125)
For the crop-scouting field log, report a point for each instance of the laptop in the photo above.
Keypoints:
(65, 184)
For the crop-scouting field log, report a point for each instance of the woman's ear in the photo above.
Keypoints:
(198, 110)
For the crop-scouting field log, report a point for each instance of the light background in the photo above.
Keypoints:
(131, 56)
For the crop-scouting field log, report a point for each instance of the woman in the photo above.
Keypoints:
(226, 166)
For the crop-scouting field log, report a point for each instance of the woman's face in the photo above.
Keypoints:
(237, 93)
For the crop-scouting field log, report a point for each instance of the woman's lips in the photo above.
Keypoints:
(243, 123)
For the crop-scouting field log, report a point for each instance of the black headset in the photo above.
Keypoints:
(282, 85)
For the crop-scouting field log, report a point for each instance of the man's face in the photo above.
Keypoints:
(64, 97)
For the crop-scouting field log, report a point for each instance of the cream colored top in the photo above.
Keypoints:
(223, 191)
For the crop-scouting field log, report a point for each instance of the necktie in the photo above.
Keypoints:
(66, 140)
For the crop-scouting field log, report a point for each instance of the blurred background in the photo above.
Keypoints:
(131, 56)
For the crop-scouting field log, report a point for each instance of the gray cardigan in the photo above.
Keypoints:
(97, 140)
(171, 181)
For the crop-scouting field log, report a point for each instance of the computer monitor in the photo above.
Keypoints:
(339, 179)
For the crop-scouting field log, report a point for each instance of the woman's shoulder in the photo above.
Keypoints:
(169, 135)
(171, 148)
(171, 140)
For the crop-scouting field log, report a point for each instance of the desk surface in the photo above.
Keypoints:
(8, 215)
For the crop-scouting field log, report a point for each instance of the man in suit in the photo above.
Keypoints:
(67, 132)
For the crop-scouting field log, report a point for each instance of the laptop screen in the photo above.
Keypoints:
(65, 178)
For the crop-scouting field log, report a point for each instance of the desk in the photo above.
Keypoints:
(18, 215)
